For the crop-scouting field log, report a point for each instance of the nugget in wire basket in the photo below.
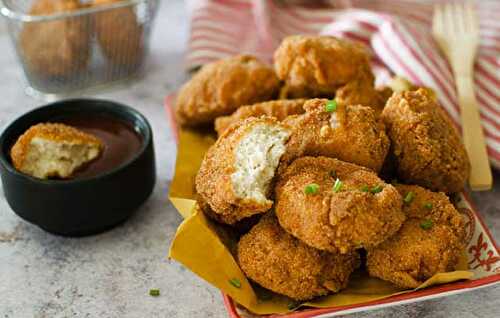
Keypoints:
(236, 174)
(119, 33)
(316, 66)
(279, 109)
(427, 148)
(336, 206)
(219, 88)
(279, 262)
(430, 241)
(56, 48)
(54, 150)
(350, 133)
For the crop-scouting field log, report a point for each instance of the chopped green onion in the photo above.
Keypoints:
(331, 106)
(428, 206)
(376, 189)
(426, 224)
(311, 188)
(154, 292)
(235, 282)
(365, 188)
(409, 197)
(337, 186)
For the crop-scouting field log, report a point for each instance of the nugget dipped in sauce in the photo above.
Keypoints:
(336, 206)
(278, 261)
(426, 146)
(52, 150)
(221, 87)
(430, 241)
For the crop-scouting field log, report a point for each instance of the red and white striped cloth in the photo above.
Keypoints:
(398, 33)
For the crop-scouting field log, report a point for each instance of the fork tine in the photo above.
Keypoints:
(459, 14)
(471, 22)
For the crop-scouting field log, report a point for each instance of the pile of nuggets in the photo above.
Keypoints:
(302, 155)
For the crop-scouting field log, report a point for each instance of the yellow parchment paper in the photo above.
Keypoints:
(205, 247)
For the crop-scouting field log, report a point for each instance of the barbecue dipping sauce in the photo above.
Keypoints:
(121, 142)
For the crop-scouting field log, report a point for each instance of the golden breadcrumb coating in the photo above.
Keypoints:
(279, 109)
(315, 66)
(58, 47)
(361, 91)
(119, 33)
(350, 133)
(430, 241)
(364, 211)
(427, 148)
(277, 261)
(219, 88)
(44, 133)
(236, 174)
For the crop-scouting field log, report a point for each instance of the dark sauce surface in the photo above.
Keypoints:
(121, 142)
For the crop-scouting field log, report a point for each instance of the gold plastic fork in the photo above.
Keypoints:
(456, 30)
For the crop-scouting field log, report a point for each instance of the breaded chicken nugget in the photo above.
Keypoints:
(219, 88)
(427, 148)
(119, 33)
(349, 133)
(429, 242)
(315, 66)
(277, 261)
(336, 206)
(54, 150)
(57, 47)
(279, 109)
(361, 91)
(235, 176)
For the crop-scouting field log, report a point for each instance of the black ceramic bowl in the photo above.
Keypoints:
(78, 207)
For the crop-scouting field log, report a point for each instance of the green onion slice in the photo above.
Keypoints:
(377, 189)
(331, 106)
(235, 282)
(426, 224)
(311, 188)
(409, 197)
(337, 186)
(154, 292)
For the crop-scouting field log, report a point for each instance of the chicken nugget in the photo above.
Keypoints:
(426, 146)
(430, 241)
(350, 133)
(315, 66)
(277, 261)
(279, 109)
(54, 150)
(56, 48)
(236, 174)
(336, 206)
(361, 91)
(219, 88)
(119, 33)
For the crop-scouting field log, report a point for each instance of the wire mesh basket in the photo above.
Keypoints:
(85, 45)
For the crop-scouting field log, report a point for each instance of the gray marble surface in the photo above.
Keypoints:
(109, 275)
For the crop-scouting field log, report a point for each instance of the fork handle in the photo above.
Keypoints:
(480, 177)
